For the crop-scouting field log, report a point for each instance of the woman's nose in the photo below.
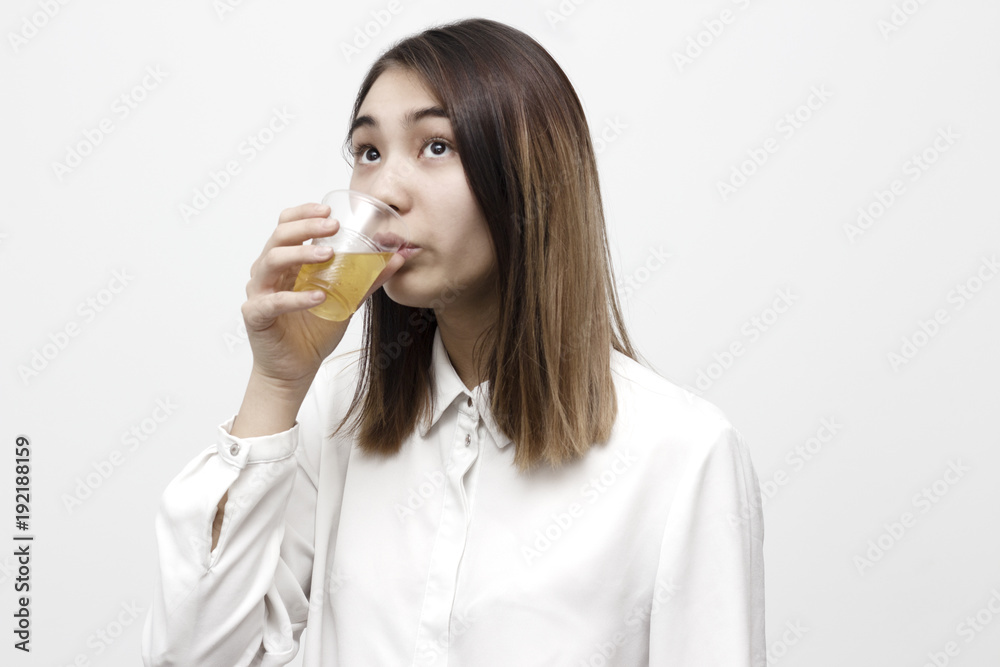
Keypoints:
(392, 184)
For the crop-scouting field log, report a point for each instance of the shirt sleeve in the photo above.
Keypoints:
(246, 602)
(708, 600)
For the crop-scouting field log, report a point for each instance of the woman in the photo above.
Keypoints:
(492, 479)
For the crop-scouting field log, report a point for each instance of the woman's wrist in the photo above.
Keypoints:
(268, 407)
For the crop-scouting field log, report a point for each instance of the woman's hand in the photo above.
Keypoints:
(288, 342)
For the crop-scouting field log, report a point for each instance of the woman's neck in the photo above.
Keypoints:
(460, 329)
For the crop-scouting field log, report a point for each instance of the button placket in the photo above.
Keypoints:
(465, 457)
(449, 549)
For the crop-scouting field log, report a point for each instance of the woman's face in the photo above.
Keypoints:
(404, 155)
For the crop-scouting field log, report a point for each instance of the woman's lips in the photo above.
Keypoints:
(408, 250)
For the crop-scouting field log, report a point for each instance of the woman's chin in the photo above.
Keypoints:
(400, 288)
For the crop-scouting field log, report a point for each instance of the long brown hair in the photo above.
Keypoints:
(524, 143)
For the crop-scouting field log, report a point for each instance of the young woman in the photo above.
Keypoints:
(493, 479)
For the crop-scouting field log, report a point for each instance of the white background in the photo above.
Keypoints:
(670, 133)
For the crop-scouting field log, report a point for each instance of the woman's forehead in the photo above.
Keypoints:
(395, 92)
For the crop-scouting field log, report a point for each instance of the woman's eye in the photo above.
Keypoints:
(436, 148)
(367, 154)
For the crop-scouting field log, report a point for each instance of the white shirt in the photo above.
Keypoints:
(649, 550)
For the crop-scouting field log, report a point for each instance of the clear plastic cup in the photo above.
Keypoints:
(370, 232)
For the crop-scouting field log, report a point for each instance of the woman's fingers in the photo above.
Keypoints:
(260, 312)
(298, 224)
(295, 233)
(271, 269)
(298, 232)
(309, 210)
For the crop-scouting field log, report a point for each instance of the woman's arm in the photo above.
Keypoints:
(266, 410)
(234, 577)
(708, 598)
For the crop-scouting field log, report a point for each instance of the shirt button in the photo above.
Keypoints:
(468, 439)
(235, 449)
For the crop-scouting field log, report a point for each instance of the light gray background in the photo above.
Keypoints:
(670, 135)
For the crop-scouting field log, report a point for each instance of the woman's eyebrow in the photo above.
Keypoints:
(412, 117)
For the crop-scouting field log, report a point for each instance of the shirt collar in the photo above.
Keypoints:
(448, 388)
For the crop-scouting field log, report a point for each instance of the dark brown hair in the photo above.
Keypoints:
(525, 146)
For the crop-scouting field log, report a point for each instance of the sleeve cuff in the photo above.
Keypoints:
(260, 449)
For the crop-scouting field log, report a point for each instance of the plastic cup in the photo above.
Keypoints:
(370, 232)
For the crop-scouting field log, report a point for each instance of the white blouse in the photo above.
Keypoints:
(649, 550)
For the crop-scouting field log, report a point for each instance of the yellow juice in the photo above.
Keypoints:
(344, 279)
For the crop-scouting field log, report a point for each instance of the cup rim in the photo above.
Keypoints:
(377, 203)
(402, 228)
